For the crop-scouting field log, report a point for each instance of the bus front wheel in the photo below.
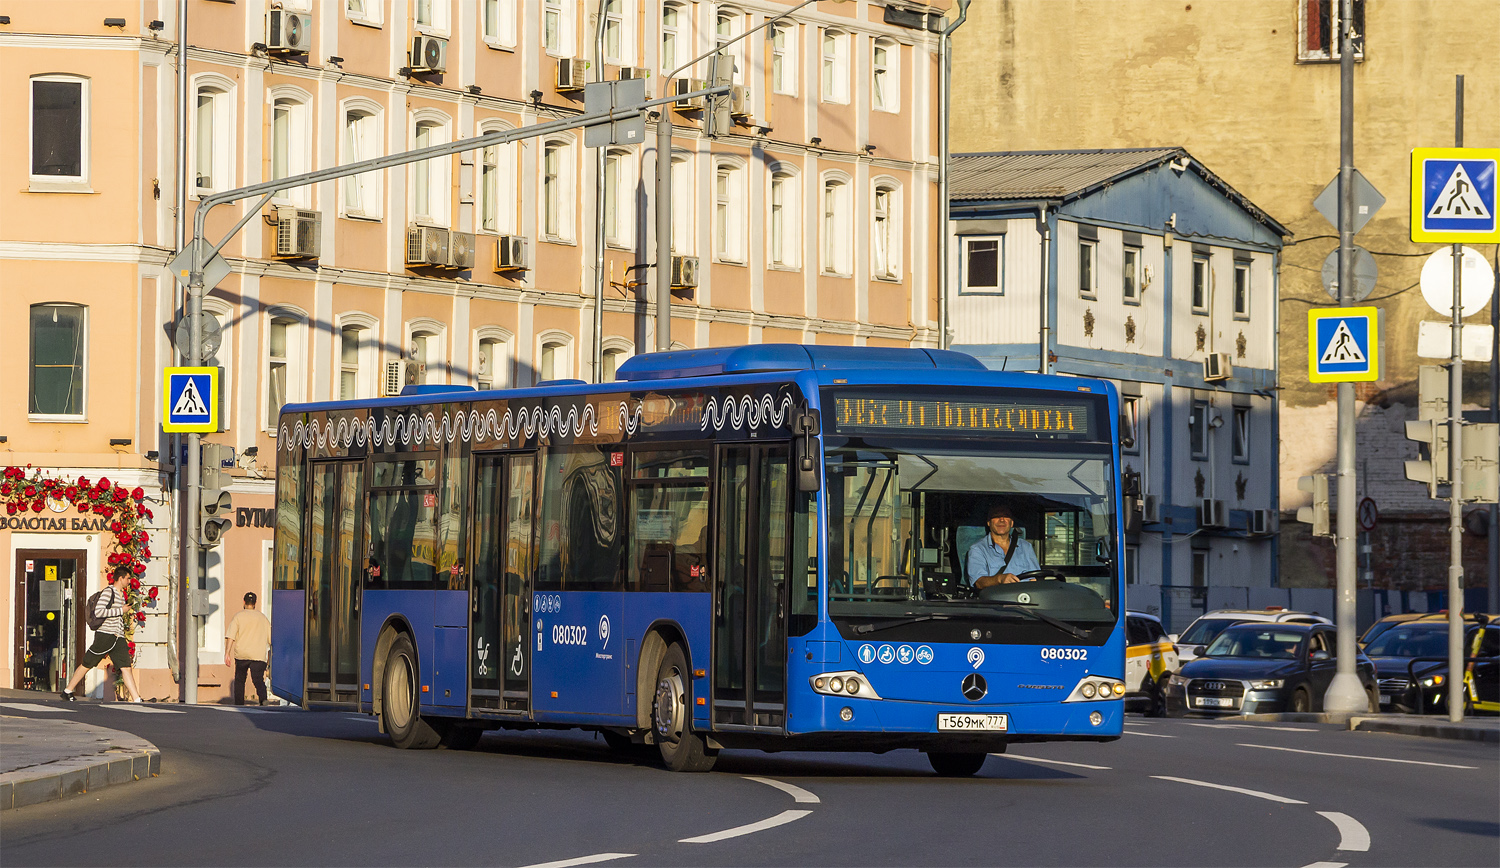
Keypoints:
(682, 750)
(399, 700)
(956, 765)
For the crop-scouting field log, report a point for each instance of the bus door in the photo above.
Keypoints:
(751, 586)
(334, 524)
(500, 593)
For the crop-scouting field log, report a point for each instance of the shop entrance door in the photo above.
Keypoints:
(333, 529)
(50, 591)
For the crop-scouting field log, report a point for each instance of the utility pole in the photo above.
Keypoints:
(946, 87)
(1345, 692)
(1456, 462)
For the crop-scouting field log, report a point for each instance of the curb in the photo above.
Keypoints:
(126, 759)
(1429, 730)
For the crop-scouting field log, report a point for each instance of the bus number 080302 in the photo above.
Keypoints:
(1065, 653)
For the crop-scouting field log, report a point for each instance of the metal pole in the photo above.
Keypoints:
(944, 106)
(601, 157)
(193, 569)
(1494, 535)
(1456, 465)
(1345, 692)
(181, 617)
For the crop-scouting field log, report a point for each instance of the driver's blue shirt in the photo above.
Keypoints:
(985, 558)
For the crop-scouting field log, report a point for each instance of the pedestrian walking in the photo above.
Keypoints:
(109, 643)
(247, 647)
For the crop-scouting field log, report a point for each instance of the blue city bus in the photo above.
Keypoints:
(756, 547)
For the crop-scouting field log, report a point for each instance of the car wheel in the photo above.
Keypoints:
(1156, 694)
(1301, 701)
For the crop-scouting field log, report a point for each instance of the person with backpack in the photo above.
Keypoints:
(106, 614)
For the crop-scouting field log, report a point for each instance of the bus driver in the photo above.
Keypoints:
(1001, 556)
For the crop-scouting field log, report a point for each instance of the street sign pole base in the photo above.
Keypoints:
(1346, 694)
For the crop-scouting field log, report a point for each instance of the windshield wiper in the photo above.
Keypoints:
(1046, 619)
(900, 622)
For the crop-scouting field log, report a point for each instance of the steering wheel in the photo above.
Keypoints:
(1045, 574)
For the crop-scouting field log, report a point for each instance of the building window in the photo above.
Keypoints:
(609, 363)
(429, 178)
(1130, 423)
(728, 24)
(835, 66)
(616, 43)
(557, 27)
(291, 148)
(672, 37)
(682, 208)
(362, 192)
(783, 219)
(1087, 273)
(729, 213)
(1201, 278)
(983, 265)
(838, 246)
(58, 353)
(1242, 290)
(552, 362)
(619, 198)
(1200, 568)
(213, 140)
(59, 128)
(557, 191)
(885, 233)
(496, 190)
(1132, 564)
(1130, 268)
(426, 350)
(492, 364)
(355, 378)
(1318, 30)
(498, 21)
(885, 79)
(363, 11)
(1241, 432)
(1198, 430)
(282, 354)
(429, 14)
(784, 58)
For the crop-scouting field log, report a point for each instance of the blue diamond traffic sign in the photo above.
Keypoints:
(190, 400)
(1453, 195)
(1343, 344)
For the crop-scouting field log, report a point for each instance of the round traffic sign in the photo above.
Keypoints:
(1365, 274)
(211, 332)
(1368, 515)
(1475, 282)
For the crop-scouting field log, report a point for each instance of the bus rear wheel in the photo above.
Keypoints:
(399, 700)
(682, 750)
(956, 765)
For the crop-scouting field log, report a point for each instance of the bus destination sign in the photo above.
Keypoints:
(1067, 419)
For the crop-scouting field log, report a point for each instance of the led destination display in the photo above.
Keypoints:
(1065, 419)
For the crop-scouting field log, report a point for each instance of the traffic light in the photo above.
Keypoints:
(1432, 468)
(214, 505)
(1317, 514)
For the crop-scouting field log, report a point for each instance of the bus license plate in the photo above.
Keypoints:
(1215, 702)
(973, 722)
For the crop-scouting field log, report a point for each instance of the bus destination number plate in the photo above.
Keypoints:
(973, 722)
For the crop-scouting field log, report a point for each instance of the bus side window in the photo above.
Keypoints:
(581, 546)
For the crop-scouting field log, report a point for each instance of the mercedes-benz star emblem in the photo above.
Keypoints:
(974, 687)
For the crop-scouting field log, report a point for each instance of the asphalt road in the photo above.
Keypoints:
(287, 787)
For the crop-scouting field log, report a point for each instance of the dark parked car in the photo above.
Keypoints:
(1392, 652)
(1260, 669)
(1373, 631)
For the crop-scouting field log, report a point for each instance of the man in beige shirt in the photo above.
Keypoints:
(247, 646)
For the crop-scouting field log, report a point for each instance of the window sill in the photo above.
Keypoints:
(992, 293)
(790, 93)
(39, 185)
(1243, 462)
(361, 218)
(430, 30)
(619, 245)
(1133, 302)
(365, 22)
(1241, 317)
(782, 266)
(1089, 296)
(496, 44)
(887, 278)
(1200, 312)
(889, 111)
(555, 239)
(49, 419)
(827, 273)
(719, 260)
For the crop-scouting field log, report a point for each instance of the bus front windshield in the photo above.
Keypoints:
(916, 549)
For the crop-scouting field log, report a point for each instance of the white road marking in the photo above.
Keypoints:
(138, 707)
(1379, 759)
(780, 819)
(1270, 797)
(1352, 834)
(800, 795)
(237, 709)
(1131, 723)
(1327, 865)
(582, 860)
(1037, 759)
(30, 706)
(1255, 726)
(1151, 734)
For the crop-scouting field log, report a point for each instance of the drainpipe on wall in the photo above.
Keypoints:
(945, 70)
(1044, 227)
(177, 604)
(600, 156)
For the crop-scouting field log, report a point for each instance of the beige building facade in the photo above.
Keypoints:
(802, 223)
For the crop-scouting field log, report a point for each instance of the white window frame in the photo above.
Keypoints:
(1239, 435)
(729, 211)
(437, 22)
(834, 65)
(619, 17)
(366, 12)
(297, 159)
(676, 34)
(293, 361)
(885, 79)
(1132, 273)
(495, 187)
(729, 23)
(1198, 429)
(1132, 564)
(966, 249)
(837, 225)
(501, 345)
(619, 198)
(424, 338)
(1130, 418)
(684, 233)
(221, 145)
(1198, 574)
(560, 343)
(429, 180)
(1240, 291)
(556, 190)
(361, 196)
(1200, 282)
(46, 183)
(621, 350)
(367, 355)
(83, 365)
(782, 247)
(1088, 268)
(562, 12)
(885, 229)
(503, 33)
(784, 57)
(1333, 52)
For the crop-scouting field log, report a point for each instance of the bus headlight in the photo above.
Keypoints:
(1095, 688)
(842, 684)
(1087, 689)
(836, 684)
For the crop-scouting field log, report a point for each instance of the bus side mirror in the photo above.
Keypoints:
(1101, 551)
(806, 427)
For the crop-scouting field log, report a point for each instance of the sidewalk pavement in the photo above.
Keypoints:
(43, 759)
(1486, 729)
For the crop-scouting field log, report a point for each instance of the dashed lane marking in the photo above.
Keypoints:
(1253, 726)
(1352, 833)
(802, 797)
(1270, 797)
(1378, 759)
(1327, 865)
(29, 706)
(780, 819)
(1037, 759)
(139, 708)
(1152, 734)
(582, 860)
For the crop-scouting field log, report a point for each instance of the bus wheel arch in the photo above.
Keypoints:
(659, 637)
(389, 631)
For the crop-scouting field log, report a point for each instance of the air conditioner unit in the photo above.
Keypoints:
(1216, 366)
(461, 250)
(299, 233)
(740, 105)
(288, 32)
(414, 372)
(512, 253)
(1260, 521)
(1151, 509)
(688, 85)
(1212, 513)
(684, 272)
(570, 74)
(429, 53)
(632, 72)
(395, 375)
(427, 245)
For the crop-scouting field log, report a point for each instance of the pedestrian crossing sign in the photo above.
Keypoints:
(191, 400)
(1343, 344)
(1453, 194)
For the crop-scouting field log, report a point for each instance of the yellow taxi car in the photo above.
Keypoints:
(1149, 658)
(1482, 676)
